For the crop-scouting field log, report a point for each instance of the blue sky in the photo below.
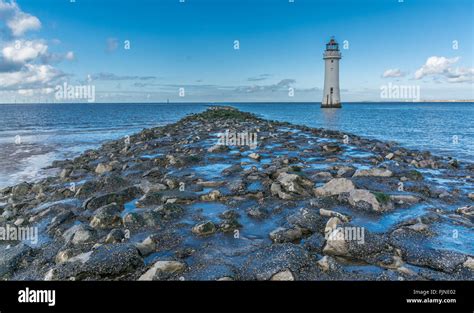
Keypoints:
(190, 45)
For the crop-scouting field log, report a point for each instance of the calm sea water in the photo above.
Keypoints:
(57, 131)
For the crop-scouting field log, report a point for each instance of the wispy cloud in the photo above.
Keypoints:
(443, 67)
(259, 77)
(17, 21)
(111, 44)
(393, 73)
(283, 84)
(111, 76)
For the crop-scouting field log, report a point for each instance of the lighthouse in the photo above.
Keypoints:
(331, 94)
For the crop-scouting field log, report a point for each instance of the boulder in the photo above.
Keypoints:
(212, 196)
(147, 246)
(170, 211)
(285, 275)
(120, 198)
(107, 216)
(11, 258)
(162, 270)
(281, 235)
(332, 148)
(103, 168)
(336, 244)
(329, 213)
(466, 210)
(469, 263)
(293, 183)
(331, 225)
(327, 263)
(115, 236)
(364, 199)
(79, 234)
(308, 220)
(107, 261)
(204, 228)
(218, 148)
(374, 172)
(334, 187)
(255, 156)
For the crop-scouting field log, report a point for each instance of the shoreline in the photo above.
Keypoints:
(169, 203)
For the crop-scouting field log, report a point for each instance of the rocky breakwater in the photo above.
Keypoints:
(266, 201)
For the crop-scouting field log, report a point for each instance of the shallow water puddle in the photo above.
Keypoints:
(151, 156)
(210, 171)
(382, 223)
(452, 237)
(208, 210)
(355, 152)
(130, 207)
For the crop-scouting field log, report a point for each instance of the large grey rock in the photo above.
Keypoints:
(120, 198)
(204, 228)
(364, 199)
(309, 220)
(162, 270)
(107, 216)
(281, 234)
(375, 172)
(79, 234)
(113, 261)
(416, 251)
(11, 258)
(293, 183)
(334, 187)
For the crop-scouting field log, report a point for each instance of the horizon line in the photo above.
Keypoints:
(247, 102)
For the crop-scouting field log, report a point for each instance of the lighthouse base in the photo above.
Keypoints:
(331, 105)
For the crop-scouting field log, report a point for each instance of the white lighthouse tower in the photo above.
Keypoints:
(331, 94)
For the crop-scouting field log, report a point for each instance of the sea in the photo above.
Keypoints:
(34, 135)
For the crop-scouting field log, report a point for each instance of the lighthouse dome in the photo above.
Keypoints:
(332, 45)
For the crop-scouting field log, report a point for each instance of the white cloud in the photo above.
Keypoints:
(461, 75)
(23, 22)
(435, 66)
(17, 21)
(22, 51)
(30, 75)
(32, 92)
(26, 92)
(393, 73)
(25, 65)
(70, 56)
(441, 67)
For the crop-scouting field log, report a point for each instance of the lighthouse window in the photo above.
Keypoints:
(332, 61)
